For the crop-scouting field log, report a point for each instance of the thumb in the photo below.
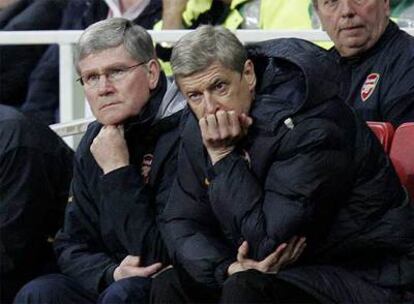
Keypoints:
(150, 270)
(242, 251)
(132, 260)
(121, 130)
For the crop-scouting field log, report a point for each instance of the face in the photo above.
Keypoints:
(219, 88)
(113, 101)
(353, 25)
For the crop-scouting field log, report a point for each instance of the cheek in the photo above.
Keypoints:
(198, 109)
(92, 101)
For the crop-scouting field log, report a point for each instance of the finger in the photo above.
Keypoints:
(298, 253)
(298, 247)
(288, 252)
(274, 258)
(203, 127)
(121, 130)
(242, 251)
(161, 271)
(223, 124)
(245, 120)
(212, 127)
(234, 123)
(150, 270)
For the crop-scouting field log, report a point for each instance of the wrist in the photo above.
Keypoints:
(216, 156)
(113, 167)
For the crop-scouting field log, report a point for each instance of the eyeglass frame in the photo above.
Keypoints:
(123, 70)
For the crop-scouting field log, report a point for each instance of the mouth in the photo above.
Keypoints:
(107, 105)
(351, 28)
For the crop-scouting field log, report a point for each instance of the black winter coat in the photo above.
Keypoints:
(315, 170)
(115, 215)
(43, 94)
(35, 174)
(380, 83)
(18, 61)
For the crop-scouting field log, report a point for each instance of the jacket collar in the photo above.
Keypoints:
(146, 117)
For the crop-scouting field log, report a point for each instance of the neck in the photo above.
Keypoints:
(127, 4)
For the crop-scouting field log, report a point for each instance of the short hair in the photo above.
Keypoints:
(112, 33)
(197, 50)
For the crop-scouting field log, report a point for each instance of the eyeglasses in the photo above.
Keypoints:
(113, 75)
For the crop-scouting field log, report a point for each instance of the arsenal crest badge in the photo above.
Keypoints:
(146, 167)
(369, 86)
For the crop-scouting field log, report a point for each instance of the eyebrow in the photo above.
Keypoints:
(109, 67)
(215, 82)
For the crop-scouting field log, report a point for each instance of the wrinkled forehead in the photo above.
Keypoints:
(106, 58)
(203, 79)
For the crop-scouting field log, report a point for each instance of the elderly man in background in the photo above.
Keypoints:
(376, 56)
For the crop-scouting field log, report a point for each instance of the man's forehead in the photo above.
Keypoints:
(107, 58)
(206, 77)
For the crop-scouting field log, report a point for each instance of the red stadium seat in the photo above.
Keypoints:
(384, 132)
(402, 155)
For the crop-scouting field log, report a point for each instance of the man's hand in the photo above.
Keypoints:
(221, 131)
(129, 267)
(285, 254)
(172, 11)
(109, 149)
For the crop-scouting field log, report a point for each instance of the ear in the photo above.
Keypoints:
(387, 7)
(154, 71)
(249, 75)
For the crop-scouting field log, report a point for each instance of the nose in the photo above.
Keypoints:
(210, 105)
(347, 8)
(104, 85)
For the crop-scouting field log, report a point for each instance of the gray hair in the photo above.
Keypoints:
(198, 49)
(112, 33)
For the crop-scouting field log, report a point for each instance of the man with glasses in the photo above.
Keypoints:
(377, 58)
(109, 245)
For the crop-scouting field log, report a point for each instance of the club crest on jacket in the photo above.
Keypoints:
(146, 166)
(369, 86)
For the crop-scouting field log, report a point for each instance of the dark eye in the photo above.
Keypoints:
(330, 2)
(91, 78)
(220, 87)
(194, 97)
(116, 73)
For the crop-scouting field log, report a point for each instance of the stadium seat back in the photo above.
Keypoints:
(384, 132)
(402, 155)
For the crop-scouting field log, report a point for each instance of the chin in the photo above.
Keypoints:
(111, 119)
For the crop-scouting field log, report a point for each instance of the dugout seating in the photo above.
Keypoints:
(384, 132)
(402, 155)
(399, 145)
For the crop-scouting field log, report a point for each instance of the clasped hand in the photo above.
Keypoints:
(285, 254)
(109, 148)
(221, 131)
(130, 267)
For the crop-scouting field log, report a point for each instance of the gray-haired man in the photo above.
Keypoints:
(109, 245)
(272, 151)
(376, 57)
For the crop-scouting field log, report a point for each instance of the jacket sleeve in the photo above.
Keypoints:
(32, 203)
(129, 207)
(398, 102)
(286, 203)
(189, 229)
(80, 250)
